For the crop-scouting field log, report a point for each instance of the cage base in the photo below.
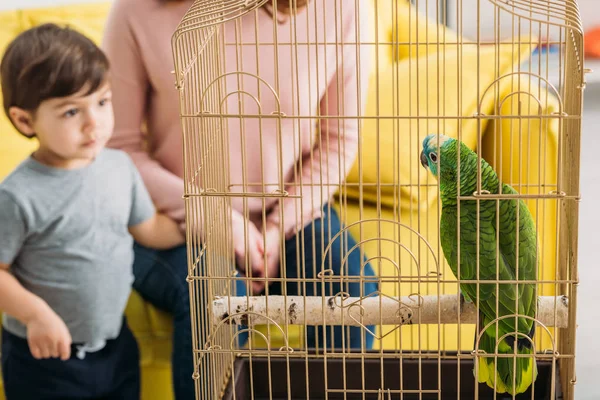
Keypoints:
(272, 383)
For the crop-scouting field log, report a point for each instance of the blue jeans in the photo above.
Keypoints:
(316, 238)
(160, 279)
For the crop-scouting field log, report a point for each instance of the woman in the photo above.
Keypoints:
(310, 80)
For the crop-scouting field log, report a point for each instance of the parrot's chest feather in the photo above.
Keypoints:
(449, 236)
(468, 242)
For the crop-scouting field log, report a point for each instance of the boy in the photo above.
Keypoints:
(67, 217)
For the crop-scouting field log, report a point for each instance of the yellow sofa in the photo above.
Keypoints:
(380, 208)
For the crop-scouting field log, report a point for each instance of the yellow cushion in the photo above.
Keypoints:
(443, 84)
(88, 19)
(409, 32)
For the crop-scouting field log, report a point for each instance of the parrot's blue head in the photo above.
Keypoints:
(433, 149)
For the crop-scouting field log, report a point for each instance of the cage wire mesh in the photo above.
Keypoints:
(297, 115)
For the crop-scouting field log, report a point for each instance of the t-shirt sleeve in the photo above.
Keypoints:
(142, 207)
(12, 228)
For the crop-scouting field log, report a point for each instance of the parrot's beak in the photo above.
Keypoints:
(424, 160)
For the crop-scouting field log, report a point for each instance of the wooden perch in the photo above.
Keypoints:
(352, 311)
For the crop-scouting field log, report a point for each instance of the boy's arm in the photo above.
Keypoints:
(47, 334)
(158, 232)
(147, 226)
(17, 301)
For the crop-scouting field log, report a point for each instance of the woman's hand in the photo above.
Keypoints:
(249, 250)
(273, 250)
(262, 254)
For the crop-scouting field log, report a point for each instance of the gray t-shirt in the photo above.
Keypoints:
(64, 234)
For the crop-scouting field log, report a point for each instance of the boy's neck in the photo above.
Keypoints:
(53, 160)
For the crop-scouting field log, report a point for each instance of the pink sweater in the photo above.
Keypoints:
(312, 81)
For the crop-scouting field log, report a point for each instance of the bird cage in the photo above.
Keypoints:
(328, 217)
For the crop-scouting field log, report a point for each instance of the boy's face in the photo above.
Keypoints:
(71, 130)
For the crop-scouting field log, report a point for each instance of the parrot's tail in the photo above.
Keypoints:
(511, 375)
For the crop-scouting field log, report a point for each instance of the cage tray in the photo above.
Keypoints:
(276, 387)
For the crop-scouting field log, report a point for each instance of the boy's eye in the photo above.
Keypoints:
(103, 102)
(70, 113)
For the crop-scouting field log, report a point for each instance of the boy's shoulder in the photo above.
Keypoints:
(16, 176)
(13, 185)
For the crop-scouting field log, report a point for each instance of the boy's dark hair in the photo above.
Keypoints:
(49, 61)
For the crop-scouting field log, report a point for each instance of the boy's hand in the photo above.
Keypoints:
(48, 336)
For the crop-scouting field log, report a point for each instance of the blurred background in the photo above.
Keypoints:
(588, 343)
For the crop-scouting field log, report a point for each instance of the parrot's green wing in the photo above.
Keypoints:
(521, 259)
(490, 267)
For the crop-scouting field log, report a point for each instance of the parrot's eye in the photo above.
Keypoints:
(433, 157)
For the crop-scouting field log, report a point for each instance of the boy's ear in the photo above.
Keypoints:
(23, 120)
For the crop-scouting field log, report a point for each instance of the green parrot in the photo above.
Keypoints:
(498, 255)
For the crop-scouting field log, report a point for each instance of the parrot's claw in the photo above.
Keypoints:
(464, 299)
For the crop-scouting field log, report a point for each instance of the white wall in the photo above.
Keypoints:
(587, 8)
(12, 4)
(589, 16)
